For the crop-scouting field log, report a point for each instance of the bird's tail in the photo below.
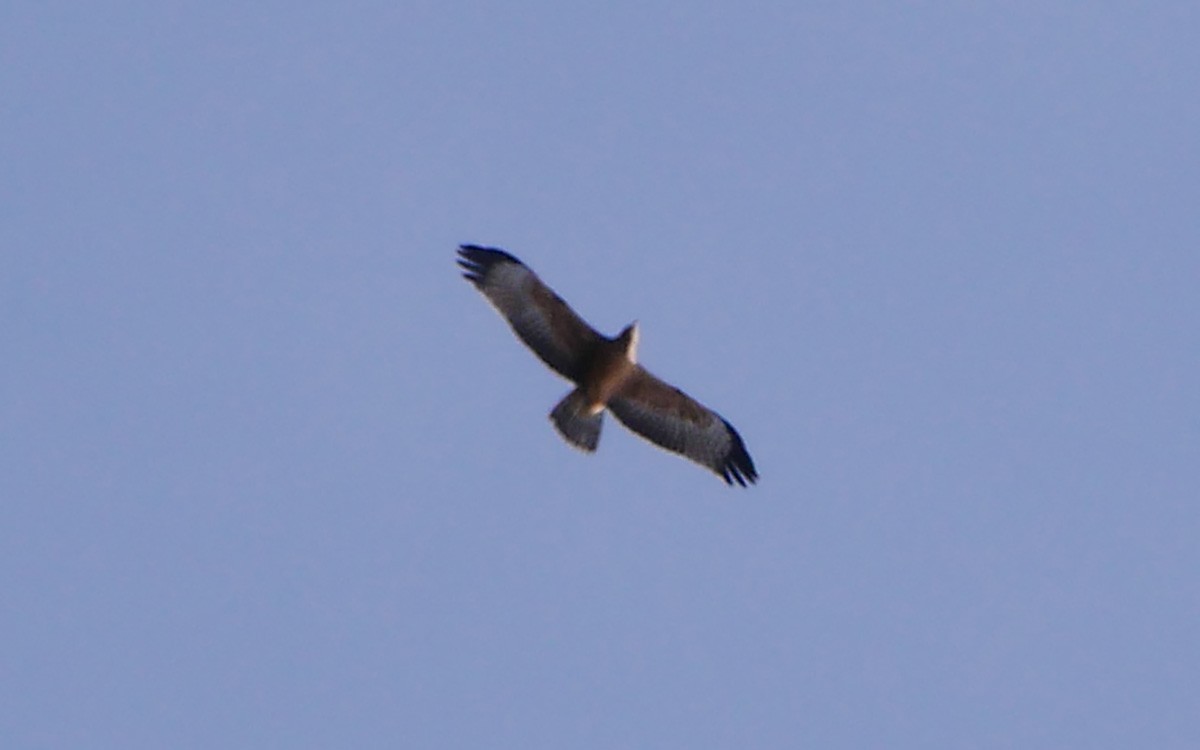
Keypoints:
(573, 422)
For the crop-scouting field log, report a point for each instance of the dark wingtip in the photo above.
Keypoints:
(485, 255)
(478, 260)
(738, 465)
(473, 272)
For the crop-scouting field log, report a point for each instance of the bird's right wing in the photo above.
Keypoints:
(539, 317)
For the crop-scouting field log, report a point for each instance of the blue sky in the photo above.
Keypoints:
(275, 476)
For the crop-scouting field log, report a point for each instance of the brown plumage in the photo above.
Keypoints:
(604, 370)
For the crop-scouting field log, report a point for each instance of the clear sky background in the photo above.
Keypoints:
(274, 475)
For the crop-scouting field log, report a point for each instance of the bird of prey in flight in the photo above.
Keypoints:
(604, 370)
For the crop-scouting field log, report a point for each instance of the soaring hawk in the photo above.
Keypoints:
(604, 370)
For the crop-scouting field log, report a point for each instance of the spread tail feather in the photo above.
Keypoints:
(573, 422)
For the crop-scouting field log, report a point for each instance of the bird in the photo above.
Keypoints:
(605, 372)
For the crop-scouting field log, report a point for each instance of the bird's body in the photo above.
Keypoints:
(605, 371)
(611, 363)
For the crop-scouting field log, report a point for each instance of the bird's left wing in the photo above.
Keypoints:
(670, 418)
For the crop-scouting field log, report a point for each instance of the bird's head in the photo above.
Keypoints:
(629, 340)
